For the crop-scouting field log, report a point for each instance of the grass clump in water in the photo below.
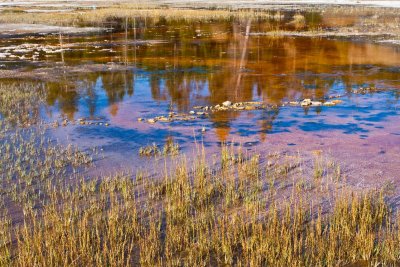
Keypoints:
(169, 149)
(151, 150)
(20, 103)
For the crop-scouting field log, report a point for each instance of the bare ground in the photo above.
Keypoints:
(11, 29)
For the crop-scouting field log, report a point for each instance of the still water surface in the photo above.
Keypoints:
(168, 66)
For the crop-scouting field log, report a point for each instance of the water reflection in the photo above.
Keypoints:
(178, 65)
(275, 70)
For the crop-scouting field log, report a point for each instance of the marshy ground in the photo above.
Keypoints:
(159, 135)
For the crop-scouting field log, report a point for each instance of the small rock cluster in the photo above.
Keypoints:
(308, 102)
(172, 116)
(366, 90)
(228, 105)
(204, 111)
(80, 121)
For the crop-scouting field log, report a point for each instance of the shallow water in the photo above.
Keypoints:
(168, 66)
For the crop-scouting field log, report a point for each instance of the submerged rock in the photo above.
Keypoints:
(335, 96)
(163, 119)
(329, 103)
(337, 101)
(366, 90)
(333, 102)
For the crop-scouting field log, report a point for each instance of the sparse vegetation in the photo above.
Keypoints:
(151, 150)
(231, 208)
(195, 216)
(20, 107)
(194, 213)
(116, 13)
(169, 149)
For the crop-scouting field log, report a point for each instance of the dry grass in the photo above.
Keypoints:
(170, 148)
(243, 213)
(121, 12)
(197, 216)
(20, 107)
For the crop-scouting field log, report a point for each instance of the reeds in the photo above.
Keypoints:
(20, 103)
(198, 216)
(243, 211)
(119, 13)
(170, 148)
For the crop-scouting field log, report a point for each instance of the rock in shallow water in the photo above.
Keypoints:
(306, 102)
(163, 119)
(316, 103)
(337, 101)
(329, 103)
(227, 104)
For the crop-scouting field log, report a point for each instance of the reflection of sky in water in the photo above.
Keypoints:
(358, 114)
(186, 70)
